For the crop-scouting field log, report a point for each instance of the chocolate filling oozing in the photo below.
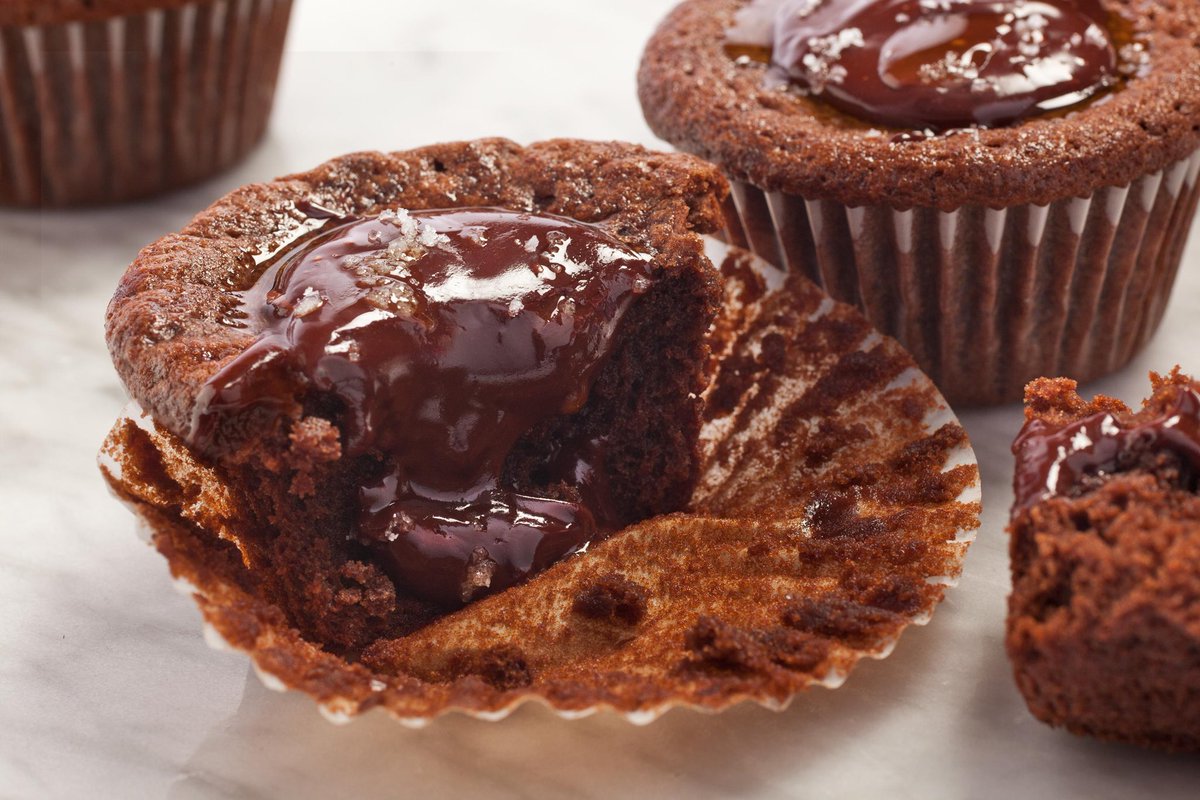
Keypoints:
(1070, 460)
(1101, 629)
(936, 64)
(709, 607)
(442, 339)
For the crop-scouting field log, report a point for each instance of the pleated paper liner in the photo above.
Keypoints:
(838, 498)
(988, 299)
(120, 108)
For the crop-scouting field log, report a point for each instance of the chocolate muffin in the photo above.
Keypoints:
(413, 424)
(446, 399)
(110, 100)
(1006, 186)
(1103, 630)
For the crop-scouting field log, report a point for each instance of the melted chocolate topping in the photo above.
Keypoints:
(944, 64)
(444, 337)
(1061, 461)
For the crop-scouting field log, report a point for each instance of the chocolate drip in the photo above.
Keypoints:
(944, 64)
(1061, 461)
(444, 337)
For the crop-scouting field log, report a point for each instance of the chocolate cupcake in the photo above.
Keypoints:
(475, 424)
(112, 100)
(1006, 187)
(1103, 630)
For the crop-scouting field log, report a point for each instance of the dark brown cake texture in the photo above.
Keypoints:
(1104, 616)
(291, 463)
(1046, 246)
(105, 101)
(718, 602)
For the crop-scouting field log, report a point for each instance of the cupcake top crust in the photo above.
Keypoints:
(169, 323)
(1126, 107)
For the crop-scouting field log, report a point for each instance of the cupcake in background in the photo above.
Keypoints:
(1006, 186)
(110, 100)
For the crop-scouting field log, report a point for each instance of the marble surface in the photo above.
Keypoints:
(106, 686)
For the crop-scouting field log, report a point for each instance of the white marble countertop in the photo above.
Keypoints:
(106, 686)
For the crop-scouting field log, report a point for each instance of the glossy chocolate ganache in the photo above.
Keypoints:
(935, 64)
(1067, 460)
(442, 338)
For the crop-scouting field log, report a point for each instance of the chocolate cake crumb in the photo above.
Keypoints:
(502, 667)
(314, 441)
(829, 437)
(839, 618)
(612, 598)
(726, 646)
(718, 645)
(898, 594)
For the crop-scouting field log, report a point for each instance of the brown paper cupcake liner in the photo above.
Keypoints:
(988, 299)
(838, 498)
(119, 108)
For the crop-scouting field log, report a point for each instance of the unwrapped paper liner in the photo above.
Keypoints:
(838, 498)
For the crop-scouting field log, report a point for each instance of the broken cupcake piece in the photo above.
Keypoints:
(445, 339)
(1105, 552)
(440, 433)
